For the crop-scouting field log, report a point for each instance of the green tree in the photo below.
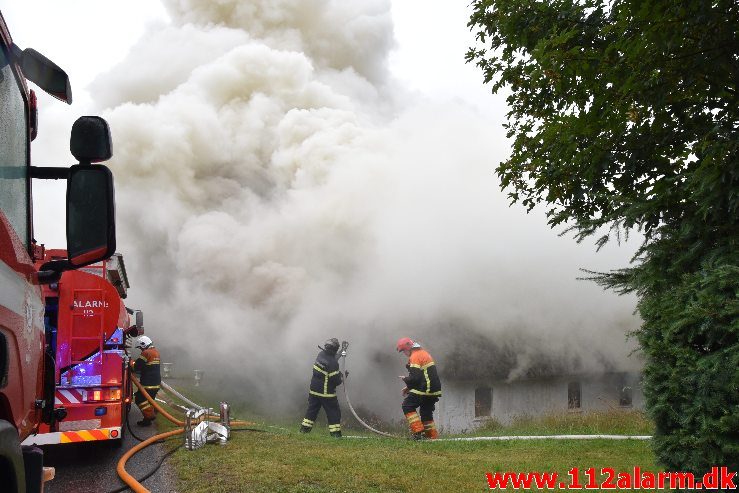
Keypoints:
(625, 115)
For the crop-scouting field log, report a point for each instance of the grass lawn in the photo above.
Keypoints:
(281, 460)
(290, 462)
(616, 422)
(266, 462)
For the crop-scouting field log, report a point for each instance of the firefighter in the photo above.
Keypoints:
(422, 389)
(322, 393)
(147, 366)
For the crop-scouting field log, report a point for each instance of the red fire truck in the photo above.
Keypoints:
(26, 369)
(87, 325)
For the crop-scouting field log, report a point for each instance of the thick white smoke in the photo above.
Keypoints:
(276, 188)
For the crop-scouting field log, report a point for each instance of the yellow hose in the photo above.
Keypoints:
(121, 468)
(155, 403)
(172, 418)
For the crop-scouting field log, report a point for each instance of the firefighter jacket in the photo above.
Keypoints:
(326, 375)
(422, 378)
(148, 366)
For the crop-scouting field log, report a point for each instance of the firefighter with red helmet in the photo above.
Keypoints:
(326, 377)
(422, 390)
(147, 366)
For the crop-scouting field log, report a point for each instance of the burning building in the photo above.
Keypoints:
(484, 381)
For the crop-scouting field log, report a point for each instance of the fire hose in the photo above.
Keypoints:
(180, 396)
(344, 347)
(121, 467)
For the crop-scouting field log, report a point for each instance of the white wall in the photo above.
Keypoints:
(536, 397)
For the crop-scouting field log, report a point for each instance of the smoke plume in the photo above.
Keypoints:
(276, 187)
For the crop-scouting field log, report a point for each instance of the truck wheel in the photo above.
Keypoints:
(12, 471)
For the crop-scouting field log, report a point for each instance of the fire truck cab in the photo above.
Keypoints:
(26, 391)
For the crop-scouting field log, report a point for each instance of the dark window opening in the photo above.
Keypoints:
(483, 402)
(573, 395)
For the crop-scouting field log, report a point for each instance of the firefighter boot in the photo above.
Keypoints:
(145, 422)
(335, 430)
(429, 429)
(415, 425)
(306, 425)
(418, 436)
(305, 429)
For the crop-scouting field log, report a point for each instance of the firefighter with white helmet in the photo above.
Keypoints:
(147, 366)
(326, 377)
(143, 342)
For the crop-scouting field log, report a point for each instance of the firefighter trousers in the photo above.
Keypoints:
(146, 408)
(425, 422)
(333, 412)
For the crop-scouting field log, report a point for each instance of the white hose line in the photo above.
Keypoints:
(182, 408)
(532, 437)
(545, 437)
(346, 395)
(182, 397)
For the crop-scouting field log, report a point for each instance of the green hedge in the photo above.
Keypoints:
(691, 380)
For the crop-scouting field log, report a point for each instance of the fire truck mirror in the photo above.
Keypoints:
(45, 74)
(139, 316)
(90, 214)
(90, 141)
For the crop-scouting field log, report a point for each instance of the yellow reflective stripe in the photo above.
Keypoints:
(151, 386)
(321, 395)
(424, 368)
(84, 435)
(326, 376)
(144, 405)
(153, 362)
(306, 422)
(334, 427)
(68, 437)
(421, 392)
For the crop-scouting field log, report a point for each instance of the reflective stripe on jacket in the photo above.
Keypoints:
(422, 378)
(148, 366)
(326, 375)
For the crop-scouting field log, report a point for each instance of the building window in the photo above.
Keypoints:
(625, 397)
(483, 402)
(573, 395)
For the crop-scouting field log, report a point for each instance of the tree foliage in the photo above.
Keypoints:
(625, 114)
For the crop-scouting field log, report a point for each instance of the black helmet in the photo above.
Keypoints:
(331, 345)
